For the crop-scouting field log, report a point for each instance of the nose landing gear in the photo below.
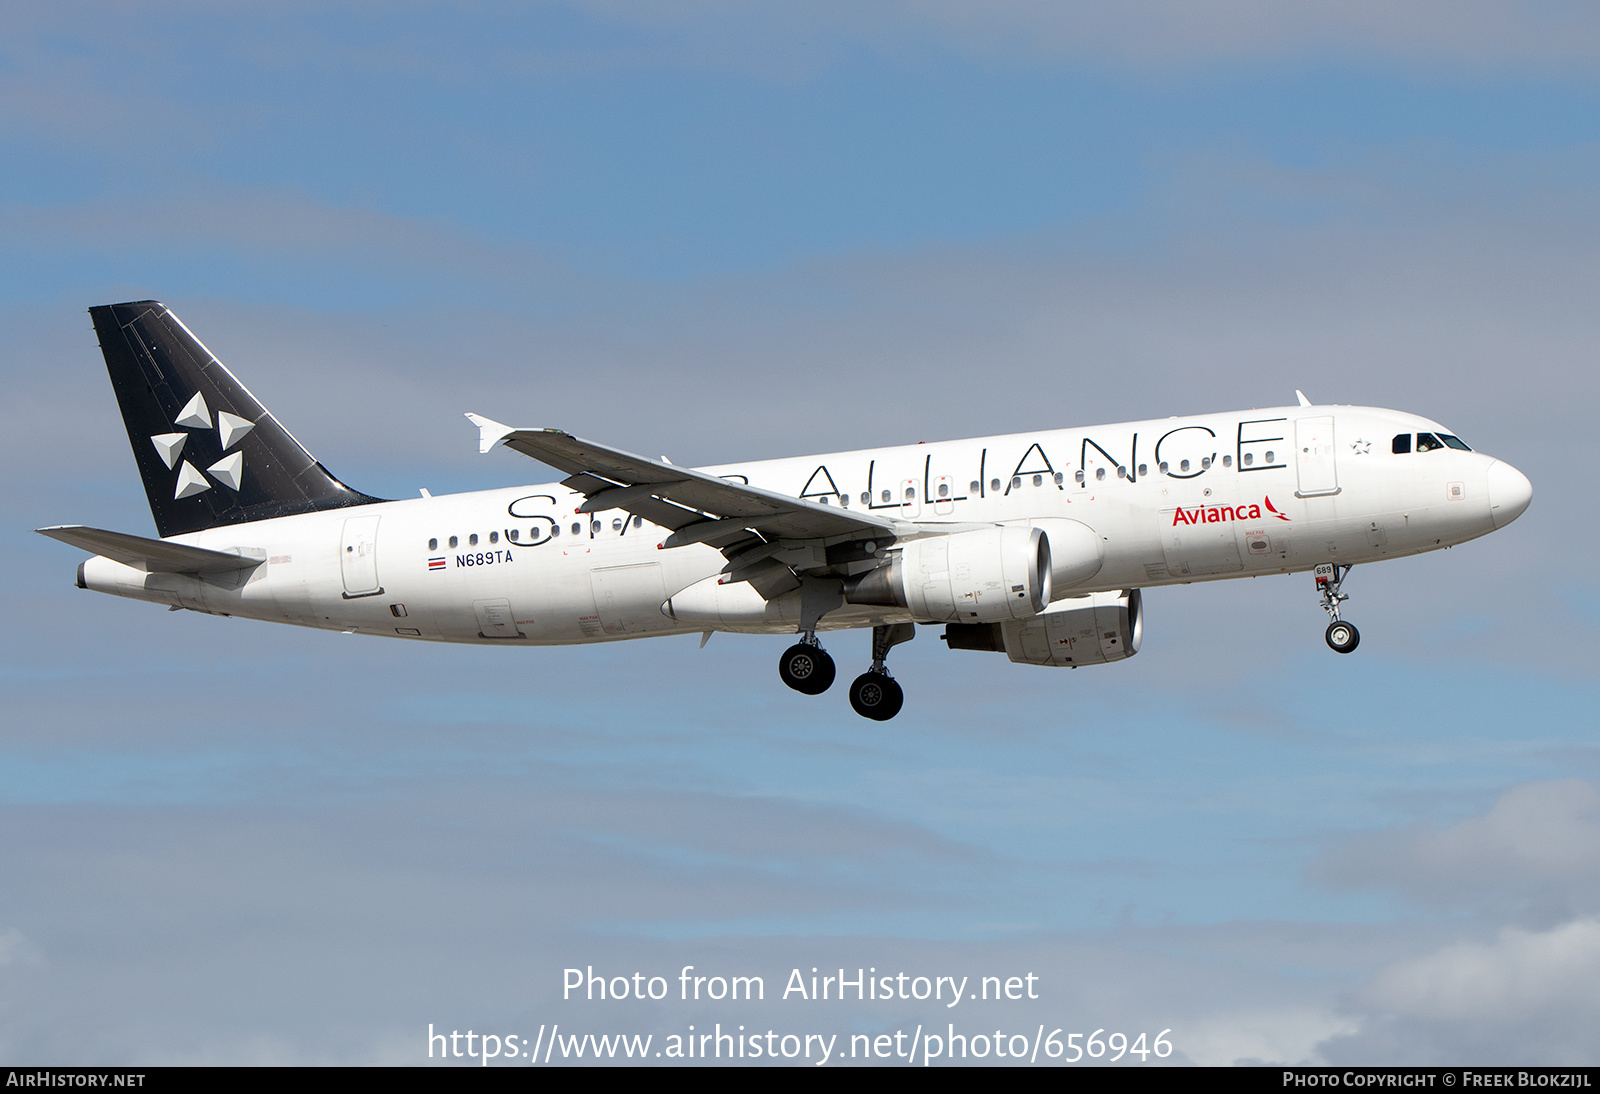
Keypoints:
(1342, 637)
(874, 694)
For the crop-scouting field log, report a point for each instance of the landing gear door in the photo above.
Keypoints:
(358, 557)
(1313, 443)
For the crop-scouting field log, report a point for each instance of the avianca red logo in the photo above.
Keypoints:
(1221, 513)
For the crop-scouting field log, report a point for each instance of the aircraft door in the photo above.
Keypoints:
(358, 557)
(910, 502)
(629, 598)
(1313, 457)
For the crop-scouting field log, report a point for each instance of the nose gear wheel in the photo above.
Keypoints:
(1343, 637)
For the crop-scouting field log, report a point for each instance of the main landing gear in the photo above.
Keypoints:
(874, 694)
(806, 667)
(1342, 637)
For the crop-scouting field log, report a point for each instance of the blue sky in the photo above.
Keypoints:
(723, 233)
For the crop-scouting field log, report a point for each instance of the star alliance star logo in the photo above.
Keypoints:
(229, 470)
(1360, 447)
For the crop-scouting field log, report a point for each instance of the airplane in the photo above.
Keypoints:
(1035, 545)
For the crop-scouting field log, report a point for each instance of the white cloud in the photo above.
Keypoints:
(1518, 977)
(1538, 846)
(1523, 996)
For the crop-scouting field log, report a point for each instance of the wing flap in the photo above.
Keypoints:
(154, 556)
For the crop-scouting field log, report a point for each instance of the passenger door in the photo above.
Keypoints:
(1314, 458)
(358, 557)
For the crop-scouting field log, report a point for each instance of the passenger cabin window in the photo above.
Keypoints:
(454, 541)
(1402, 444)
(577, 529)
(512, 534)
(433, 545)
(472, 540)
(1038, 480)
(1059, 477)
(994, 484)
(1100, 474)
(887, 495)
(638, 522)
(1427, 442)
(1249, 458)
(494, 537)
(1227, 461)
(975, 488)
(1144, 469)
(944, 490)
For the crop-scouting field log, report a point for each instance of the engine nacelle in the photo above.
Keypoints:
(1088, 630)
(1076, 552)
(982, 576)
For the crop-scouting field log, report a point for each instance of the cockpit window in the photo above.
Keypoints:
(1427, 442)
(1454, 442)
(1402, 444)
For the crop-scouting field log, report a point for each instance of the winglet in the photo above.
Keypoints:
(1298, 394)
(490, 432)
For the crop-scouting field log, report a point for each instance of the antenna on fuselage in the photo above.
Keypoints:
(1298, 394)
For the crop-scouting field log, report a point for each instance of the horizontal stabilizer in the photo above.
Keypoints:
(154, 556)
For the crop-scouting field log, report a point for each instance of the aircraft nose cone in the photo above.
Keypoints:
(1509, 493)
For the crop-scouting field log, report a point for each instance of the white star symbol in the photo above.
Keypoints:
(1360, 447)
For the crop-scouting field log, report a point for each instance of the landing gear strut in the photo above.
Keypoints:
(874, 694)
(1342, 637)
(806, 667)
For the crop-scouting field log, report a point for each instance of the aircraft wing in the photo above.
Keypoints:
(700, 508)
(154, 556)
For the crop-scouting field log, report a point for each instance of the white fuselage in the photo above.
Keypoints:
(1173, 501)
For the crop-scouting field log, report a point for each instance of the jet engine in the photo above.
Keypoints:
(1086, 630)
(981, 576)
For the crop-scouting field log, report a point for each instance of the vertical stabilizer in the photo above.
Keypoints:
(209, 453)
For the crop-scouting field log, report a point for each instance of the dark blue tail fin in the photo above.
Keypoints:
(209, 453)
